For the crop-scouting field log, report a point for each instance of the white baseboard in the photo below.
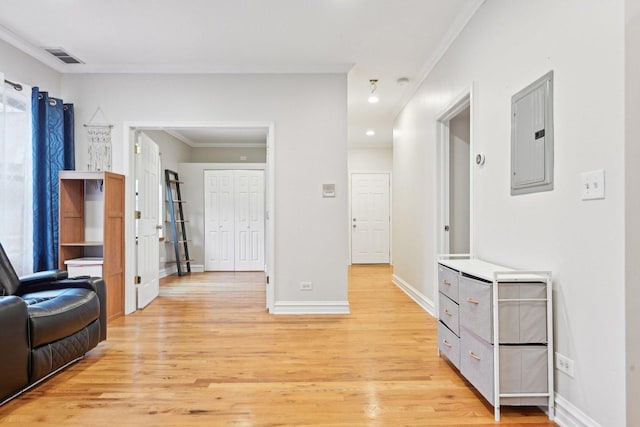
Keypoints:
(424, 302)
(311, 307)
(568, 415)
(195, 268)
(168, 271)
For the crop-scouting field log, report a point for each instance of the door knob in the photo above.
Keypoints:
(446, 228)
(354, 226)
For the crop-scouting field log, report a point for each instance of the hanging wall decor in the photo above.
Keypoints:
(99, 142)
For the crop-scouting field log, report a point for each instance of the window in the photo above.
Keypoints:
(16, 222)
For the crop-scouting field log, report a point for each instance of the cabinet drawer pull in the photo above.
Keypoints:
(446, 282)
(447, 312)
(475, 356)
(445, 342)
(472, 301)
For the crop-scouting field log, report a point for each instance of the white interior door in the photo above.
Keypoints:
(370, 218)
(219, 225)
(249, 206)
(147, 201)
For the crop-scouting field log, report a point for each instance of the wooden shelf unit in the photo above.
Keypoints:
(92, 225)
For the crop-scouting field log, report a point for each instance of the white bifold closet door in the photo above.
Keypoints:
(234, 220)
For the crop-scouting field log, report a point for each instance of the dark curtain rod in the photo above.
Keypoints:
(16, 86)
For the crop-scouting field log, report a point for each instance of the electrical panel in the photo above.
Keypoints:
(532, 137)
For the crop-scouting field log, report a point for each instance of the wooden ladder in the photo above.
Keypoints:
(178, 229)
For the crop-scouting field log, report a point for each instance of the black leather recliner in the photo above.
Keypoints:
(47, 321)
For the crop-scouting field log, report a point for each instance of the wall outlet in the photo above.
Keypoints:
(564, 364)
(306, 286)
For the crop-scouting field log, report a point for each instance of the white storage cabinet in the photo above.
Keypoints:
(478, 302)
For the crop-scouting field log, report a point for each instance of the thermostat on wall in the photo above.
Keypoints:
(328, 190)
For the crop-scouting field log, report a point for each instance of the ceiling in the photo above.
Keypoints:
(368, 39)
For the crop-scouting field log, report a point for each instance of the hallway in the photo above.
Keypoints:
(207, 353)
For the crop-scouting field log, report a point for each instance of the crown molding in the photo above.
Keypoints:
(449, 38)
(39, 54)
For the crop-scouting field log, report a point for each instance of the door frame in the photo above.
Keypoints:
(464, 100)
(351, 173)
(129, 128)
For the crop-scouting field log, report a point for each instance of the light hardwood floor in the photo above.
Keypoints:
(206, 353)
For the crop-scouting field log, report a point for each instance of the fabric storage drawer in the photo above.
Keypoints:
(448, 282)
(475, 307)
(448, 313)
(449, 344)
(476, 363)
(523, 369)
(523, 322)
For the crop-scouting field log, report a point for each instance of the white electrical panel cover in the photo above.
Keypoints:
(532, 137)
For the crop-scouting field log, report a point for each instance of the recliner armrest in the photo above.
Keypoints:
(96, 284)
(14, 336)
(29, 286)
(43, 276)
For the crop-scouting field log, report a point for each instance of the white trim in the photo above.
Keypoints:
(568, 415)
(197, 268)
(129, 128)
(424, 302)
(458, 104)
(37, 53)
(286, 68)
(311, 307)
(168, 271)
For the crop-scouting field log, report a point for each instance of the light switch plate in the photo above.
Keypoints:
(593, 185)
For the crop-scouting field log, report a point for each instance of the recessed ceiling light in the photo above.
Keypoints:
(370, 132)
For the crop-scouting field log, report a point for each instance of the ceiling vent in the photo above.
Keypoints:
(63, 55)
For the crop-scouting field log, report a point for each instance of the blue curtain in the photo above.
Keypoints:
(53, 151)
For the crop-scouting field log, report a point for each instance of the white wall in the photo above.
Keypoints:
(632, 181)
(311, 243)
(19, 67)
(370, 159)
(228, 155)
(506, 46)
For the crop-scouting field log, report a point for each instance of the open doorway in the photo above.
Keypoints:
(267, 128)
(459, 183)
(455, 177)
